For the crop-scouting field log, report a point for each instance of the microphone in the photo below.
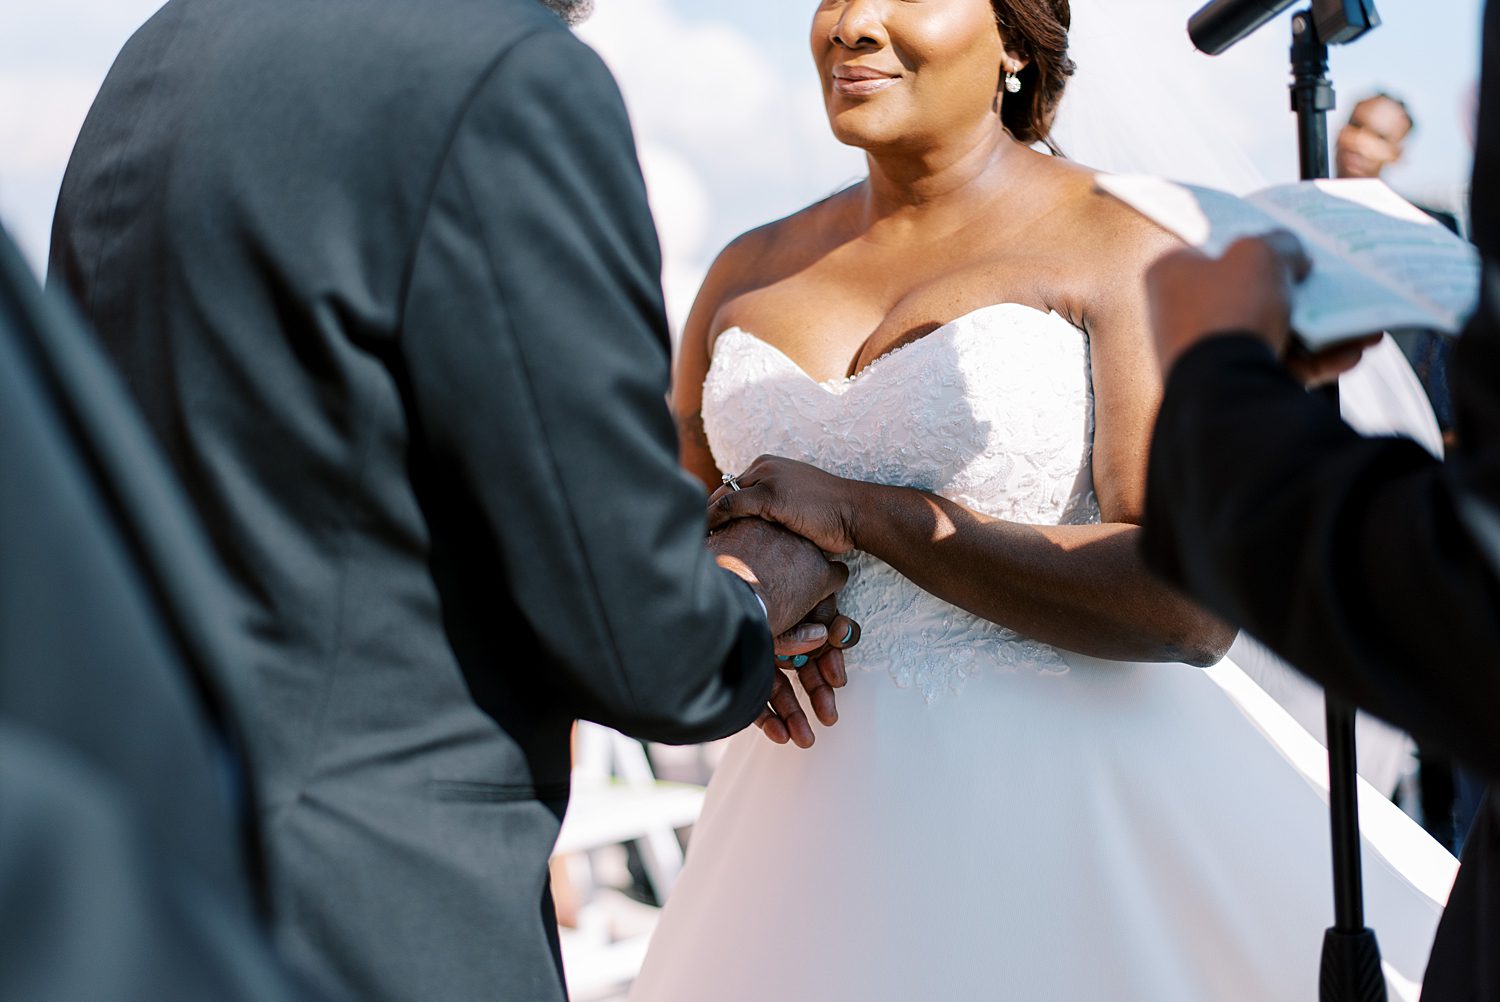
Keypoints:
(1219, 24)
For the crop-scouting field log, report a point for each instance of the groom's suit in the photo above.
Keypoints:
(1364, 562)
(383, 279)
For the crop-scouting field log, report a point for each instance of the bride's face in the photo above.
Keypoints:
(898, 72)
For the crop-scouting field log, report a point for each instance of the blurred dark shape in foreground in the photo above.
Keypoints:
(127, 860)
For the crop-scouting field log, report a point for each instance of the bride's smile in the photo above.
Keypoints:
(860, 80)
(947, 56)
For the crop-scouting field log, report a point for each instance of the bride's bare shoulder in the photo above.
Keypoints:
(1104, 246)
(1114, 231)
(766, 255)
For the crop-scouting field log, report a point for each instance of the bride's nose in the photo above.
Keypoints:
(859, 26)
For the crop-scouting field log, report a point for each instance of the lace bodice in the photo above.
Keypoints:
(993, 411)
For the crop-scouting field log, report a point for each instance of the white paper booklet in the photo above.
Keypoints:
(1379, 262)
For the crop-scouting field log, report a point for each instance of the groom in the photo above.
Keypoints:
(383, 280)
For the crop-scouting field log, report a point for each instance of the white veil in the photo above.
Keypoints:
(1141, 99)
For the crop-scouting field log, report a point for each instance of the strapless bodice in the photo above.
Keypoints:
(993, 411)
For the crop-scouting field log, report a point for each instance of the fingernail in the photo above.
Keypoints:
(809, 632)
(848, 634)
(799, 661)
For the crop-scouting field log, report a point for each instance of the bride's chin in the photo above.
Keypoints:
(863, 135)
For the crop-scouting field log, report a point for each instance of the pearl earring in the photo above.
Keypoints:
(1012, 83)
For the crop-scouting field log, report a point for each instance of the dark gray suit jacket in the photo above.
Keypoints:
(126, 865)
(1366, 563)
(383, 279)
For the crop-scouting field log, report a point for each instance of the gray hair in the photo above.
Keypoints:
(575, 12)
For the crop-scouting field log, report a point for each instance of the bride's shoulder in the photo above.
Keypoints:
(767, 255)
(1091, 222)
(1108, 246)
(1108, 231)
(784, 242)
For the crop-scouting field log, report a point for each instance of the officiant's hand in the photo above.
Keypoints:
(1247, 291)
(819, 665)
(810, 502)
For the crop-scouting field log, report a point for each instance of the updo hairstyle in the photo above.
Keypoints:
(1038, 30)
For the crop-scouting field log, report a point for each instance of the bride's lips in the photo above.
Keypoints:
(861, 80)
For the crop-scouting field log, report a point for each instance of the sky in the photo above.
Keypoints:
(729, 118)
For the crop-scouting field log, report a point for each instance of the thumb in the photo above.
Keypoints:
(838, 576)
(1289, 251)
(803, 638)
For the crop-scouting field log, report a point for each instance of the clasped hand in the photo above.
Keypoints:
(811, 504)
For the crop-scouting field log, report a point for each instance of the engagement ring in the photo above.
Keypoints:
(729, 481)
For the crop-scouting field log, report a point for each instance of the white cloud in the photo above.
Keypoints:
(682, 208)
(55, 56)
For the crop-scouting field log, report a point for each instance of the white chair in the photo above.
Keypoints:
(616, 799)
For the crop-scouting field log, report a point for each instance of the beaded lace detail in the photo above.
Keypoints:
(993, 411)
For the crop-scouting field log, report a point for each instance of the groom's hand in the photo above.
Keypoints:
(790, 574)
(797, 583)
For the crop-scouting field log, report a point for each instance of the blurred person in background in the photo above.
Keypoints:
(1373, 138)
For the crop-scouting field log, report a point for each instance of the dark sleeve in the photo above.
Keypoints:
(95, 904)
(1358, 560)
(536, 345)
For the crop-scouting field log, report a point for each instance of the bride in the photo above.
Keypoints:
(945, 370)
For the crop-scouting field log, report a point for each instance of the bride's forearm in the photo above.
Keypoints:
(1080, 587)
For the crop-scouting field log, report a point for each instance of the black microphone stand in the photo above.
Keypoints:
(1351, 955)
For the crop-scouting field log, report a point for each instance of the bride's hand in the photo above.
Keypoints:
(819, 664)
(815, 505)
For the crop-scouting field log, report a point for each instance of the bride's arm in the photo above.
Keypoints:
(1080, 587)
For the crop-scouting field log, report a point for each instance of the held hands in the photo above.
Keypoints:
(814, 648)
(815, 505)
(790, 574)
(1247, 291)
(815, 651)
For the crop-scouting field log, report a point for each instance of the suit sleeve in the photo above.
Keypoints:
(536, 346)
(1366, 563)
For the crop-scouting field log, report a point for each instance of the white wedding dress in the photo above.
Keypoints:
(993, 818)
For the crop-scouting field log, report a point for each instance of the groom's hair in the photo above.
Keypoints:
(1038, 30)
(575, 12)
